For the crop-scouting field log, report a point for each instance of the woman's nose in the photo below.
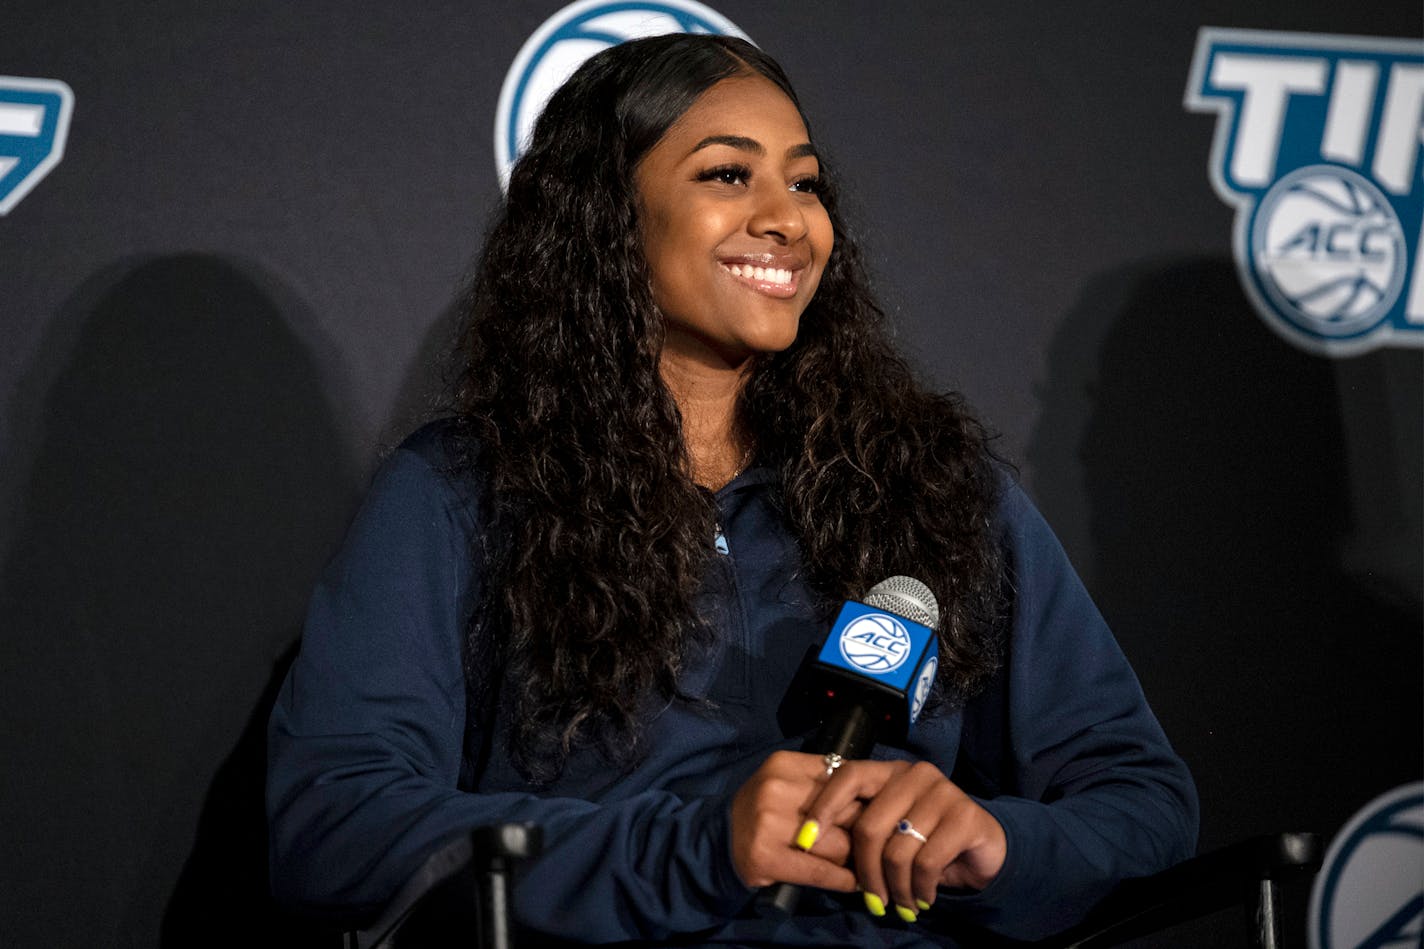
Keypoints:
(777, 214)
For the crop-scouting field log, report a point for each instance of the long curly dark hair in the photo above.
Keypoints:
(598, 536)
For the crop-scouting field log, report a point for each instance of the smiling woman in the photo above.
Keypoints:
(733, 229)
(735, 238)
(679, 437)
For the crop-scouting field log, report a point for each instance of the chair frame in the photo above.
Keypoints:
(1248, 873)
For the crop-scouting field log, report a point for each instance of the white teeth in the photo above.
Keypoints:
(766, 274)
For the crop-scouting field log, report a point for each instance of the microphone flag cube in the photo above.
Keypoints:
(879, 657)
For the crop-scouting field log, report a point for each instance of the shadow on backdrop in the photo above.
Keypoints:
(188, 479)
(429, 379)
(1213, 510)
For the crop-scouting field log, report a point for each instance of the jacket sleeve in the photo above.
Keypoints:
(1064, 751)
(367, 736)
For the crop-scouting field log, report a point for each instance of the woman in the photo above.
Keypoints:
(680, 439)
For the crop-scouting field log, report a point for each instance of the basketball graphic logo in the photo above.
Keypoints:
(1329, 250)
(1317, 149)
(876, 643)
(922, 687)
(1370, 890)
(569, 37)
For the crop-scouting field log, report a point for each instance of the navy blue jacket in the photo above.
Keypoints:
(372, 765)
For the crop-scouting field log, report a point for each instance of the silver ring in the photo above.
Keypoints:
(908, 829)
(832, 761)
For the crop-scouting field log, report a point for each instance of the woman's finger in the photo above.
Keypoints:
(874, 830)
(910, 849)
(771, 834)
(804, 869)
(844, 792)
(829, 843)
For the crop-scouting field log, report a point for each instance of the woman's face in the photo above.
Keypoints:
(732, 224)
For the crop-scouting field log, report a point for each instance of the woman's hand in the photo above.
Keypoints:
(963, 845)
(768, 813)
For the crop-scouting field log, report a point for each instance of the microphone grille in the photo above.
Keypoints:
(907, 597)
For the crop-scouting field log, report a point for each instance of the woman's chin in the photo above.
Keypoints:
(773, 340)
(734, 354)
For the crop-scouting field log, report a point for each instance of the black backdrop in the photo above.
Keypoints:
(224, 303)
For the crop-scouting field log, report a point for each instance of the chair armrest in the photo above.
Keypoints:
(465, 880)
(1243, 873)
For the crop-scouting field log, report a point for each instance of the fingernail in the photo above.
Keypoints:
(922, 905)
(807, 835)
(908, 915)
(874, 904)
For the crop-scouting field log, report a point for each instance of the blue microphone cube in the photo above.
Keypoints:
(885, 654)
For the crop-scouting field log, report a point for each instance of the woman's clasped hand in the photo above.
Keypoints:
(896, 830)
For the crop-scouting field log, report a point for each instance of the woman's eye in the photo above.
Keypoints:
(727, 175)
(812, 185)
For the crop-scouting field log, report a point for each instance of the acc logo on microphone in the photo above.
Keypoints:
(1317, 146)
(34, 123)
(1370, 890)
(571, 36)
(875, 643)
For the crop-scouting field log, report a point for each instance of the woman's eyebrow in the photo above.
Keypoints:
(745, 144)
(739, 142)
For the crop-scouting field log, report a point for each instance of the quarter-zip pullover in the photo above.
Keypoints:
(373, 764)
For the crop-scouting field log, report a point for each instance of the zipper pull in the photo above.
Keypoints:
(719, 539)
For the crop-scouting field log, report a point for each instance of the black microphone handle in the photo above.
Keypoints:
(850, 733)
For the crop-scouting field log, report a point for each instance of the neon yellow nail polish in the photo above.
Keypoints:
(922, 905)
(908, 915)
(807, 835)
(874, 904)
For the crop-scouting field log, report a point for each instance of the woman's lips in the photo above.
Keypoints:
(770, 280)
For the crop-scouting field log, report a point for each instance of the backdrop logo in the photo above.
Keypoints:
(34, 122)
(1318, 148)
(875, 642)
(1370, 891)
(569, 37)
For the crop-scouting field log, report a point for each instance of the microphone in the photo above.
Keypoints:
(867, 682)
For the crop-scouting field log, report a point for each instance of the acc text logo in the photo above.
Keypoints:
(34, 122)
(571, 36)
(1370, 891)
(1318, 147)
(875, 642)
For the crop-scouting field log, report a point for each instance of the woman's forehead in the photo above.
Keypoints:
(744, 104)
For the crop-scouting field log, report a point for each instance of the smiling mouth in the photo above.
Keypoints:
(767, 274)
(773, 281)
